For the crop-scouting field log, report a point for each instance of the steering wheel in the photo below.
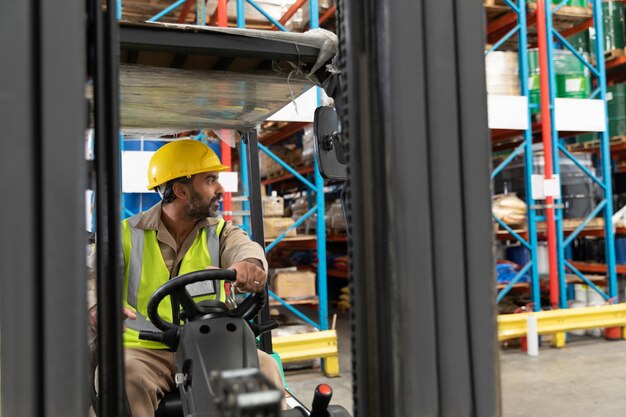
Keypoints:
(247, 309)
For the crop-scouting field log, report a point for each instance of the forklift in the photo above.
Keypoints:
(411, 109)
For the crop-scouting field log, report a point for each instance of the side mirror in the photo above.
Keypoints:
(328, 147)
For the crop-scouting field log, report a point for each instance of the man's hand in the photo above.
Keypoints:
(127, 313)
(250, 276)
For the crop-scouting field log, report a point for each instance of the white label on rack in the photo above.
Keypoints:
(134, 168)
(542, 187)
(552, 187)
(508, 112)
(579, 115)
(573, 84)
(230, 181)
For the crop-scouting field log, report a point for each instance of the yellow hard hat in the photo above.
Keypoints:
(181, 158)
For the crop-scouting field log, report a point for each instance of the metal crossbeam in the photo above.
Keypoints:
(512, 326)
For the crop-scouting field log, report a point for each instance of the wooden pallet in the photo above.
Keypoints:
(593, 145)
(565, 18)
(614, 53)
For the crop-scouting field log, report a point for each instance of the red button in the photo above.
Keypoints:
(324, 389)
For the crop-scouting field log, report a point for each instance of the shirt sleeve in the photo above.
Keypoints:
(236, 246)
(91, 280)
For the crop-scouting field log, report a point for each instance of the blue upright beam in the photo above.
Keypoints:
(321, 210)
(527, 150)
(241, 14)
(531, 214)
(605, 154)
(245, 192)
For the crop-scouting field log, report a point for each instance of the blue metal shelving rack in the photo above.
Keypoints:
(317, 186)
(605, 207)
(604, 181)
(525, 148)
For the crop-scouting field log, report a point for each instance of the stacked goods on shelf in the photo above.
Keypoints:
(308, 151)
(267, 166)
(274, 224)
(502, 73)
(616, 99)
(299, 207)
(578, 189)
(581, 42)
(613, 14)
(273, 206)
(588, 249)
(290, 283)
(510, 209)
(572, 77)
(335, 219)
(613, 17)
(289, 153)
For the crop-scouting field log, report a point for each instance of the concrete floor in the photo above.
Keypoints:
(585, 379)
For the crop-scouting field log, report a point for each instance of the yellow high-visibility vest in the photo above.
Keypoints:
(145, 271)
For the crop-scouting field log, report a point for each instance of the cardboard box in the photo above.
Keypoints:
(273, 206)
(276, 226)
(294, 284)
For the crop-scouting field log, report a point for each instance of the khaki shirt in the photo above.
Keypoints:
(235, 246)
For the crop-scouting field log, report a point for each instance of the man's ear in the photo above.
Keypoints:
(181, 191)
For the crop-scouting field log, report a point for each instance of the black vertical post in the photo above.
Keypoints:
(104, 69)
(42, 247)
(62, 191)
(256, 217)
(422, 275)
(20, 285)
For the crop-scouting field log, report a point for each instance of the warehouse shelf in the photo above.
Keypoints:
(338, 273)
(282, 134)
(501, 139)
(501, 19)
(519, 25)
(592, 267)
(506, 236)
(302, 301)
(287, 176)
(306, 242)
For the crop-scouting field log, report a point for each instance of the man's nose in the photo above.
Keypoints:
(220, 188)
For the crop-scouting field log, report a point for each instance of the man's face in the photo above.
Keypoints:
(205, 195)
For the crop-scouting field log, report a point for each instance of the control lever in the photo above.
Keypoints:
(169, 337)
(321, 398)
(259, 329)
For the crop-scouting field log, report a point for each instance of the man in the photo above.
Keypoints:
(180, 234)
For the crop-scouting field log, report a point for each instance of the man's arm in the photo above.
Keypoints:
(240, 253)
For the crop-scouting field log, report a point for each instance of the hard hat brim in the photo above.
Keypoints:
(218, 168)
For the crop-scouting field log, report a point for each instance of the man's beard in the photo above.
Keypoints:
(199, 209)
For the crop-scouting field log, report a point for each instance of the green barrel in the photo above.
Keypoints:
(577, 3)
(613, 17)
(580, 42)
(616, 104)
(533, 79)
(572, 77)
(587, 137)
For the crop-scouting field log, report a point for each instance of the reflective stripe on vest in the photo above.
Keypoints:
(145, 271)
